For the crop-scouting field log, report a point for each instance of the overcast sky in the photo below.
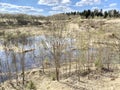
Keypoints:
(49, 7)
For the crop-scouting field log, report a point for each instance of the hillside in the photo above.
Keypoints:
(71, 54)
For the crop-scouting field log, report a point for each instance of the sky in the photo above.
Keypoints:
(50, 7)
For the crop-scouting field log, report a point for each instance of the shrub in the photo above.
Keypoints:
(31, 85)
(98, 64)
(53, 76)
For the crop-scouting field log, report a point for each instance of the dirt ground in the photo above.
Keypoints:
(103, 81)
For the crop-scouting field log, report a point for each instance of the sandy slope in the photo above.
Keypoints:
(104, 81)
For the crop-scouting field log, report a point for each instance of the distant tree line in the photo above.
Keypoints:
(20, 19)
(23, 19)
(96, 13)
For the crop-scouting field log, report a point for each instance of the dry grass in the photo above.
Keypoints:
(92, 81)
(99, 31)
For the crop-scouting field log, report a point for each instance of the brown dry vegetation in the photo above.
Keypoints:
(91, 81)
(98, 33)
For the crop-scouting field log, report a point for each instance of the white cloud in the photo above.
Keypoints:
(107, 9)
(113, 5)
(48, 2)
(88, 2)
(62, 8)
(54, 12)
(53, 2)
(58, 6)
(93, 8)
(65, 1)
(11, 8)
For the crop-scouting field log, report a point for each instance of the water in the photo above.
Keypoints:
(40, 47)
(33, 58)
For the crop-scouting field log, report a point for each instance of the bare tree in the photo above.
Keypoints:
(14, 61)
(56, 44)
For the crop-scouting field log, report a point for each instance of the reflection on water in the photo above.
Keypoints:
(36, 53)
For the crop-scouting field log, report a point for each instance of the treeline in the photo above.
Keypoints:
(96, 13)
(24, 19)
(20, 19)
